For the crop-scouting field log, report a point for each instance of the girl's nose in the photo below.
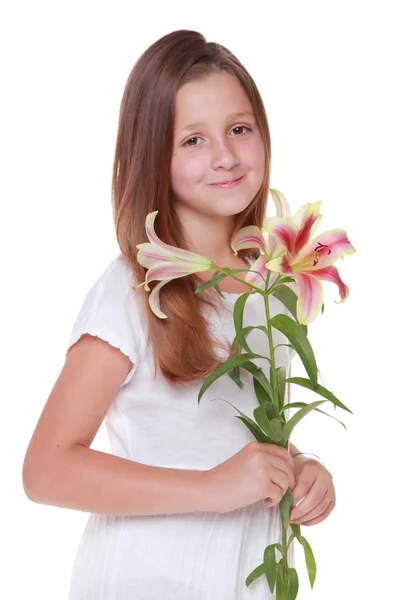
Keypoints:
(223, 155)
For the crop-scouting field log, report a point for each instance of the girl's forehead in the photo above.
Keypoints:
(217, 96)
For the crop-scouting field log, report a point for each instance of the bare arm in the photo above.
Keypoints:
(61, 469)
(88, 480)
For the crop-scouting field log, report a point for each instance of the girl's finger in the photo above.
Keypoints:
(322, 516)
(302, 488)
(310, 507)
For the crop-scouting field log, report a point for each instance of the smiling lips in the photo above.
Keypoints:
(230, 183)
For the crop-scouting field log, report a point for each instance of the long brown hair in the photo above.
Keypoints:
(183, 345)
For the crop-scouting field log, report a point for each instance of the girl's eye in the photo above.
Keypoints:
(192, 138)
(241, 127)
(197, 138)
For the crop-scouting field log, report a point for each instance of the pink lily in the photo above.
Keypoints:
(165, 262)
(308, 260)
(252, 236)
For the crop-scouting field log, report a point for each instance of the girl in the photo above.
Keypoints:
(187, 501)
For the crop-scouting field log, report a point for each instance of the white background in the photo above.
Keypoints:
(328, 74)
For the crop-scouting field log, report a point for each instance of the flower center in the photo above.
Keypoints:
(320, 248)
(311, 261)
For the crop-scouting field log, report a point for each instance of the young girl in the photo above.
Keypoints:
(187, 501)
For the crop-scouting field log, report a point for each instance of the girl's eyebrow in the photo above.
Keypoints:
(239, 114)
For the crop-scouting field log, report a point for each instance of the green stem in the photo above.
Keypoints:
(284, 546)
(275, 284)
(238, 278)
(271, 344)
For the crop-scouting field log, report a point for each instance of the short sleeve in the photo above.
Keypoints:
(110, 312)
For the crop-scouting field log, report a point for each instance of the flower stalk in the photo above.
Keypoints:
(300, 262)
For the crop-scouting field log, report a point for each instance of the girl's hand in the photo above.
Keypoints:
(259, 471)
(314, 483)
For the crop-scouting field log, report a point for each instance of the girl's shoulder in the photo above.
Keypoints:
(110, 311)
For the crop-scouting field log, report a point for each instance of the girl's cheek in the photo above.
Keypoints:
(253, 153)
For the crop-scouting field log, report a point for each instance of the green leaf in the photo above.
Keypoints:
(291, 424)
(318, 389)
(281, 379)
(236, 344)
(262, 395)
(270, 566)
(285, 506)
(288, 299)
(259, 375)
(265, 424)
(271, 410)
(215, 279)
(278, 428)
(255, 574)
(234, 374)
(301, 404)
(310, 560)
(281, 587)
(255, 430)
(218, 290)
(251, 425)
(296, 336)
(286, 280)
(238, 320)
(295, 528)
(224, 368)
(292, 584)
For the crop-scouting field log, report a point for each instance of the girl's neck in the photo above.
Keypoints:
(208, 235)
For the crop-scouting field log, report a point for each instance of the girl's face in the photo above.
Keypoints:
(215, 139)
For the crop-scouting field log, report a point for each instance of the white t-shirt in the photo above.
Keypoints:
(195, 556)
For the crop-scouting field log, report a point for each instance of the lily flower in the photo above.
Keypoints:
(252, 236)
(308, 260)
(165, 262)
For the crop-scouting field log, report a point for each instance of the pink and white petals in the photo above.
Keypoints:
(164, 262)
(331, 274)
(307, 220)
(260, 266)
(310, 297)
(173, 251)
(327, 248)
(280, 265)
(154, 300)
(293, 233)
(171, 270)
(281, 204)
(283, 230)
(150, 255)
(248, 237)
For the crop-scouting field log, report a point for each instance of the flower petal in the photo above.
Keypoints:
(255, 278)
(280, 264)
(283, 230)
(248, 237)
(310, 297)
(327, 248)
(154, 300)
(173, 251)
(173, 270)
(331, 274)
(148, 255)
(281, 204)
(308, 218)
